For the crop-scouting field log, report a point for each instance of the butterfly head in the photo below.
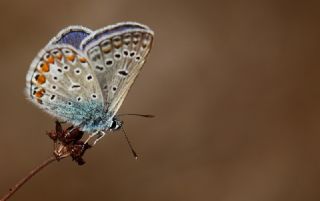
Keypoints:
(116, 124)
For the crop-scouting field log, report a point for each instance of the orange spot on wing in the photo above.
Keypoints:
(59, 56)
(83, 60)
(45, 67)
(71, 58)
(40, 93)
(40, 79)
(50, 59)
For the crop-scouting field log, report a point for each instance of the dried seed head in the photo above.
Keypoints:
(67, 142)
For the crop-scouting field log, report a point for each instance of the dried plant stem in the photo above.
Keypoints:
(33, 172)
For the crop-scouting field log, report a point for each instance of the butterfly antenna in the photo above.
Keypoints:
(135, 155)
(139, 115)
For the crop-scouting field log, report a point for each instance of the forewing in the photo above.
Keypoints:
(71, 35)
(117, 54)
(60, 81)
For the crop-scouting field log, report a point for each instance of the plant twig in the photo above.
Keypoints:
(67, 142)
(33, 172)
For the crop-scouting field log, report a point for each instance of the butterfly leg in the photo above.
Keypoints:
(91, 136)
(100, 135)
(61, 122)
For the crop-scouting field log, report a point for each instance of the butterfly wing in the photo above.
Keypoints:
(72, 35)
(117, 54)
(61, 81)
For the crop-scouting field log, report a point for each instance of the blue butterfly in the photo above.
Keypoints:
(83, 76)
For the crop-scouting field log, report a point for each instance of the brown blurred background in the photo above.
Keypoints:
(234, 86)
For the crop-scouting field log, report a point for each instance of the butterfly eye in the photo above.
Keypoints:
(114, 125)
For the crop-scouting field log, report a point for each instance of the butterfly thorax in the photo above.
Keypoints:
(97, 119)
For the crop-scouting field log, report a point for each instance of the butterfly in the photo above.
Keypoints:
(83, 76)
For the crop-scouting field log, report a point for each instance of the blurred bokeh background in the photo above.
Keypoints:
(234, 86)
